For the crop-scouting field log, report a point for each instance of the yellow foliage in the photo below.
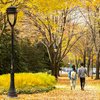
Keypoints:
(27, 80)
(92, 4)
(20, 15)
(4, 7)
(47, 6)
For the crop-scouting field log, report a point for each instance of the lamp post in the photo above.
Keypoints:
(11, 18)
(55, 58)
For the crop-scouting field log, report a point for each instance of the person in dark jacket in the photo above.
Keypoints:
(81, 74)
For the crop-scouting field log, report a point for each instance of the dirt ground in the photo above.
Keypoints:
(63, 92)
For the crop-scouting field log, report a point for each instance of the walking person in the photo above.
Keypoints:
(81, 74)
(73, 77)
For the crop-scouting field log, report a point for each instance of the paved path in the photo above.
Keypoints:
(63, 92)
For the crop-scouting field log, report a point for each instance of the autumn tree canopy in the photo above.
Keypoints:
(62, 26)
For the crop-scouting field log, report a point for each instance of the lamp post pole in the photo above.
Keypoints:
(55, 58)
(12, 11)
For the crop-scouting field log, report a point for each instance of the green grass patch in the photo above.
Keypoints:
(28, 82)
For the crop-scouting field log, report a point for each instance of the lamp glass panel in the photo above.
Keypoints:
(11, 18)
(55, 50)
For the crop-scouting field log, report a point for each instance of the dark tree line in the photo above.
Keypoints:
(27, 57)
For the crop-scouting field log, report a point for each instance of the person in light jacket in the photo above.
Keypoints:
(73, 77)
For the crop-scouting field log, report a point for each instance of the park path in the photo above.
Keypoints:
(63, 92)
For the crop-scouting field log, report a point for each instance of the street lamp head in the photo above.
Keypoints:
(11, 10)
(11, 15)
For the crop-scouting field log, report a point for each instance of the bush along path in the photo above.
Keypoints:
(63, 91)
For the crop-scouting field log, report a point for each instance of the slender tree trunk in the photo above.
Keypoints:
(76, 61)
(56, 72)
(53, 69)
(88, 66)
(92, 67)
(84, 58)
(97, 65)
(58, 69)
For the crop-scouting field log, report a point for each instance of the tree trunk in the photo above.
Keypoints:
(91, 63)
(84, 58)
(88, 66)
(97, 65)
(58, 68)
(55, 70)
(92, 67)
(76, 61)
(52, 70)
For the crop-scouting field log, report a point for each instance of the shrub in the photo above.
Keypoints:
(28, 82)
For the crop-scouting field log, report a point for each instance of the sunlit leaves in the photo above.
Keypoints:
(92, 4)
(4, 7)
(20, 15)
(49, 5)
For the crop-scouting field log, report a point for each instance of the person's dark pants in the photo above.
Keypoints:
(82, 83)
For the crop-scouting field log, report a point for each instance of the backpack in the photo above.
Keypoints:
(69, 74)
(73, 75)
